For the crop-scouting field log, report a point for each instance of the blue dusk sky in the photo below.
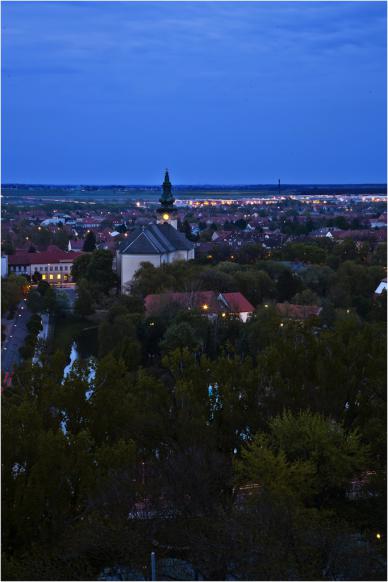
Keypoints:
(218, 92)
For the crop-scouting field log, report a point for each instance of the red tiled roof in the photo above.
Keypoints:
(215, 302)
(293, 311)
(238, 303)
(52, 255)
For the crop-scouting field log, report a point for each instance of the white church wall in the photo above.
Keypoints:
(131, 263)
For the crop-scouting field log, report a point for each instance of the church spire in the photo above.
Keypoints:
(167, 212)
(167, 199)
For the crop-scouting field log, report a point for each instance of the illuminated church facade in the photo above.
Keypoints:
(156, 243)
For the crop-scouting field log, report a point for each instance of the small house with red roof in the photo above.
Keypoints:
(298, 312)
(209, 303)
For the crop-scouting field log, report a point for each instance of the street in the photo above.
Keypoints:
(15, 335)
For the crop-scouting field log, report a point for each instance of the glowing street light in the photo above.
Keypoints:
(205, 306)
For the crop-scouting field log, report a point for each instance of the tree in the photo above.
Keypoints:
(149, 279)
(288, 285)
(12, 292)
(99, 271)
(36, 277)
(41, 237)
(250, 253)
(61, 239)
(306, 297)
(90, 242)
(35, 301)
(7, 246)
(84, 304)
(43, 287)
(241, 223)
(179, 336)
(304, 457)
(255, 285)
(80, 267)
(35, 324)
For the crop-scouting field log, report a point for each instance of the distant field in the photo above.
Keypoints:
(138, 192)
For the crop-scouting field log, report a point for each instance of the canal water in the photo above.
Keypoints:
(84, 348)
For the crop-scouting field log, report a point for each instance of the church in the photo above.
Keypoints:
(156, 243)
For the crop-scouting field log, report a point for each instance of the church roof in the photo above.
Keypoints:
(155, 239)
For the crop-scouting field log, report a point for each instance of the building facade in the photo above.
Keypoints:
(156, 243)
(53, 265)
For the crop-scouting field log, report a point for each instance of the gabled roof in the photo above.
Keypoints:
(155, 239)
(238, 303)
(52, 255)
(293, 311)
(208, 302)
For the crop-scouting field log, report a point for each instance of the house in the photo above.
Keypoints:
(4, 265)
(382, 287)
(156, 243)
(209, 303)
(54, 265)
(75, 245)
(297, 312)
(324, 232)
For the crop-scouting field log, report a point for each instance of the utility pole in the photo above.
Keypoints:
(153, 566)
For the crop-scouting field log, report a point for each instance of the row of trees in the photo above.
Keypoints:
(242, 463)
(352, 285)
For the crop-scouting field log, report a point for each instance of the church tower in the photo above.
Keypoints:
(167, 212)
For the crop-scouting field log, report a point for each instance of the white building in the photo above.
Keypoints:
(381, 287)
(54, 265)
(156, 243)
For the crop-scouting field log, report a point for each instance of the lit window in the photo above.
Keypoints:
(43, 277)
(58, 276)
(51, 277)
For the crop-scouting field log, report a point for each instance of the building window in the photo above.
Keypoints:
(51, 277)
(46, 268)
(43, 277)
(55, 268)
(58, 276)
(51, 268)
(61, 268)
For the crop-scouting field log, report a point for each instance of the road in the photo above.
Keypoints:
(16, 332)
(15, 336)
